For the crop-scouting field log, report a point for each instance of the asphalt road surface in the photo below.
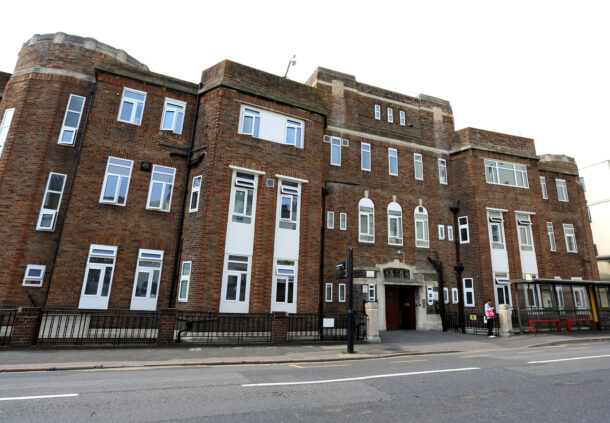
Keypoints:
(564, 383)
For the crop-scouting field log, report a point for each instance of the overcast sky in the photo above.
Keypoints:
(539, 69)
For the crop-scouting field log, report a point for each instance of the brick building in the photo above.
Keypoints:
(123, 188)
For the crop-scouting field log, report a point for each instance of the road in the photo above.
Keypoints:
(564, 383)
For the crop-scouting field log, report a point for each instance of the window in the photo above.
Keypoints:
(562, 190)
(132, 106)
(237, 279)
(449, 233)
(419, 166)
(446, 295)
(161, 187)
(524, 226)
(116, 181)
(441, 232)
(289, 204)
(394, 224)
(250, 122)
(502, 288)
(74, 111)
(580, 297)
(545, 194)
(372, 292)
(496, 230)
(5, 126)
(243, 197)
(393, 161)
(330, 220)
(390, 115)
(98, 277)
(365, 156)
(51, 202)
(284, 281)
(502, 173)
(402, 118)
(568, 231)
(454, 295)
(329, 292)
(34, 275)
(532, 295)
(366, 221)
(463, 230)
(442, 171)
(377, 111)
(341, 292)
(343, 221)
(422, 238)
(551, 232)
(294, 133)
(468, 292)
(173, 115)
(148, 276)
(195, 190)
(335, 151)
(185, 280)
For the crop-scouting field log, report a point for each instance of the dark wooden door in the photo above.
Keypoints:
(407, 303)
(392, 307)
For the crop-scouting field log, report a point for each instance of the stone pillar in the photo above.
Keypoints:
(372, 324)
(279, 327)
(506, 321)
(167, 326)
(25, 327)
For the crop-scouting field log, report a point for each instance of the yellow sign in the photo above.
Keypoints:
(473, 317)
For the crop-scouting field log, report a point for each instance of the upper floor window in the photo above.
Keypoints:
(116, 181)
(74, 111)
(468, 292)
(5, 126)
(390, 115)
(173, 115)
(294, 134)
(185, 279)
(419, 166)
(422, 236)
(365, 156)
(330, 220)
(442, 171)
(250, 122)
(551, 233)
(343, 221)
(132, 106)
(34, 275)
(402, 118)
(394, 224)
(524, 226)
(562, 189)
(244, 185)
(289, 204)
(377, 111)
(463, 230)
(366, 221)
(568, 231)
(393, 161)
(161, 188)
(271, 126)
(496, 230)
(503, 173)
(545, 194)
(195, 190)
(441, 232)
(51, 202)
(335, 151)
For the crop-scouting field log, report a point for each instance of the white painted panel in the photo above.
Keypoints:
(273, 127)
(499, 260)
(528, 262)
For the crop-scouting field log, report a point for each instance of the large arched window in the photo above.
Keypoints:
(394, 224)
(366, 221)
(422, 236)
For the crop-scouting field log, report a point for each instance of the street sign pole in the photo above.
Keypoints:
(350, 302)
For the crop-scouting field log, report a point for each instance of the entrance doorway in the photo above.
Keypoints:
(399, 307)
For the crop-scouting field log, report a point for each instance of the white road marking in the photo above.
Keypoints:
(350, 379)
(568, 359)
(38, 397)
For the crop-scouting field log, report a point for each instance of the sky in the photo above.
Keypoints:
(538, 69)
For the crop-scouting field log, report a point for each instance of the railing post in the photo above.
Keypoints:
(279, 327)
(372, 326)
(25, 327)
(166, 326)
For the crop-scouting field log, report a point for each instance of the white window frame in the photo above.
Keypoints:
(343, 221)
(365, 149)
(330, 220)
(449, 233)
(372, 293)
(328, 293)
(44, 211)
(146, 255)
(377, 112)
(34, 281)
(98, 300)
(463, 224)
(249, 112)
(291, 191)
(402, 118)
(195, 194)
(418, 165)
(502, 285)
(560, 298)
(496, 220)
(492, 173)
(551, 232)
(185, 280)
(422, 239)
(163, 170)
(583, 297)
(244, 182)
(524, 232)
(342, 292)
(395, 214)
(545, 192)
(178, 108)
(468, 290)
(335, 145)
(5, 126)
(441, 232)
(562, 190)
(392, 155)
(390, 115)
(134, 118)
(72, 129)
(442, 167)
(298, 132)
(455, 296)
(366, 235)
(116, 162)
(285, 270)
(446, 295)
(531, 292)
(569, 233)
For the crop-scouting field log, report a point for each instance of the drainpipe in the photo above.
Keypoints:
(172, 293)
(459, 266)
(69, 195)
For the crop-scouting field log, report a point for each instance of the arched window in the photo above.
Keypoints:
(422, 236)
(366, 221)
(394, 224)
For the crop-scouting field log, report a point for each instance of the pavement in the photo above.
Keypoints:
(393, 343)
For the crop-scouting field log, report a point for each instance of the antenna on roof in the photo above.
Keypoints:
(292, 62)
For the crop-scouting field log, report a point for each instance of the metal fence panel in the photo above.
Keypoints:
(306, 327)
(223, 328)
(7, 320)
(474, 323)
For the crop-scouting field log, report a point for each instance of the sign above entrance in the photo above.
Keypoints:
(396, 274)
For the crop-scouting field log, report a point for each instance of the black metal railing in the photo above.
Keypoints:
(604, 319)
(7, 320)
(223, 328)
(97, 327)
(474, 323)
(306, 327)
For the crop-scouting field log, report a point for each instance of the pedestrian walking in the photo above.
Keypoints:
(490, 315)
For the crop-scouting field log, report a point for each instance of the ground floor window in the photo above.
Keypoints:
(580, 297)
(98, 277)
(185, 279)
(284, 281)
(147, 280)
